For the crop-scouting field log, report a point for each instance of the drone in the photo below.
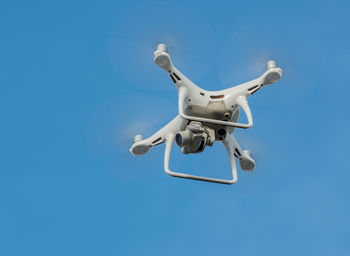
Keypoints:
(205, 117)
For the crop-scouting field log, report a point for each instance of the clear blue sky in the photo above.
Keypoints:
(70, 73)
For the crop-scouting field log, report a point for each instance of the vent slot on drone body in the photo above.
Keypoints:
(257, 89)
(172, 78)
(156, 140)
(177, 77)
(237, 151)
(217, 96)
(253, 87)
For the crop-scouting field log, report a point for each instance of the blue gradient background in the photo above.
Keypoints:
(62, 192)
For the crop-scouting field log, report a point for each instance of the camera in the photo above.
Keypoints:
(195, 138)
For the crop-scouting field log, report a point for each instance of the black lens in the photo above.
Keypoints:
(178, 139)
(221, 132)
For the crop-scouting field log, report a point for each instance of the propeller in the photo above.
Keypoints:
(137, 33)
(244, 55)
(114, 124)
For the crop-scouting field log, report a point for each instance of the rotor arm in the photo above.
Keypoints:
(163, 60)
(270, 76)
(141, 146)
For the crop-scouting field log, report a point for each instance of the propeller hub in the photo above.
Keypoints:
(162, 47)
(270, 64)
(138, 137)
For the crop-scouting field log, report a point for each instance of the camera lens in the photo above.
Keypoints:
(178, 139)
(221, 132)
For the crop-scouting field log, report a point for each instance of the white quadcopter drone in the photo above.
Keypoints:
(205, 117)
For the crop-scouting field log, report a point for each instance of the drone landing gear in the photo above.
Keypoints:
(229, 144)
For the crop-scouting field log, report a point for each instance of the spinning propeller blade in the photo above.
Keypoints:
(114, 124)
(136, 34)
(244, 55)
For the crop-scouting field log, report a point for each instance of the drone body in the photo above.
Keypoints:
(205, 117)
